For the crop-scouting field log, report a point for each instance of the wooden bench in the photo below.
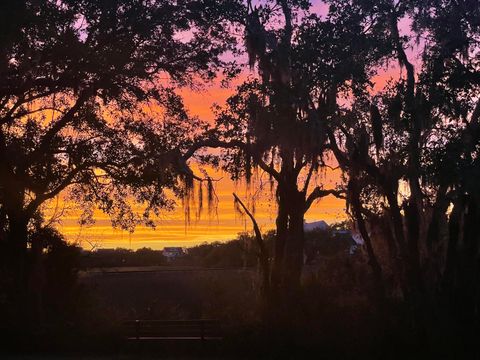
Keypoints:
(202, 330)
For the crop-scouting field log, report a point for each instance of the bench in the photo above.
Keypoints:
(202, 330)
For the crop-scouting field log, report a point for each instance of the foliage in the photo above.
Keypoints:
(88, 107)
(121, 257)
(276, 123)
(410, 152)
(76, 77)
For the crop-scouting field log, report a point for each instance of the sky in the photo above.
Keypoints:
(223, 224)
(172, 229)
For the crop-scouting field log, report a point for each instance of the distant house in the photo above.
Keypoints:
(316, 225)
(353, 240)
(171, 253)
(323, 241)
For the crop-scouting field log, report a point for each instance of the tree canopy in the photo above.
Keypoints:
(411, 152)
(277, 122)
(76, 78)
(88, 103)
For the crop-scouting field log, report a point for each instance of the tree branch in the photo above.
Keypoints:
(401, 55)
(259, 239)
(309, 177)
(213, 143)
(318, 192)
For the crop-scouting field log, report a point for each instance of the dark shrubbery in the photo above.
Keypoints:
(122, 257)
(232, 254)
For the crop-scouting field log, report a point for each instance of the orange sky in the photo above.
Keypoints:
(222, 226)
(225, 224)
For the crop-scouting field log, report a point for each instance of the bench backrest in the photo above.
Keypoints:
(181, 329)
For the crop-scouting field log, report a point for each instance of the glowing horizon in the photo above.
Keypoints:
(173, 230)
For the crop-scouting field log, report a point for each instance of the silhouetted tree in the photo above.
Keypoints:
(277, 122)
(75, 78)
(411, 153)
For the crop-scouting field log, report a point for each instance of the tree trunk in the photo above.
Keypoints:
(17, 248)
(294, 247)
(409, 269)
(289, 244)
(379, 285)
(16, 264)
(453, 237)
(36, 283)
(466, 283)
(280, 241)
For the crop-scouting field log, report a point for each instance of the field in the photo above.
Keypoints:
(171, 292)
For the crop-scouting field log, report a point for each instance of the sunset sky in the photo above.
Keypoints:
(172, 230)
(224, 224)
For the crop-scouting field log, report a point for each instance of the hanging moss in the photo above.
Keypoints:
(394, 112)
(238, 208)
(200, 200)
(363, 145)
(248, 163)
(255, 41)
(211, 196)
(376, 121)
(187, 196)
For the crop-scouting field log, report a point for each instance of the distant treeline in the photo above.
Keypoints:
(217, 254)
(240, 252)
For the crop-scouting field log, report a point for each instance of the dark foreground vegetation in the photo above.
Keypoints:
(84, 311)
(90, 111)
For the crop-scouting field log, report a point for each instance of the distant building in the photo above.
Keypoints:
(354, 240)
(322, 241)
(316, 225)
(171, 253)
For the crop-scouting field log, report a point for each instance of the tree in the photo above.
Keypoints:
(75, 77)
(277, 122)
(411, 150)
